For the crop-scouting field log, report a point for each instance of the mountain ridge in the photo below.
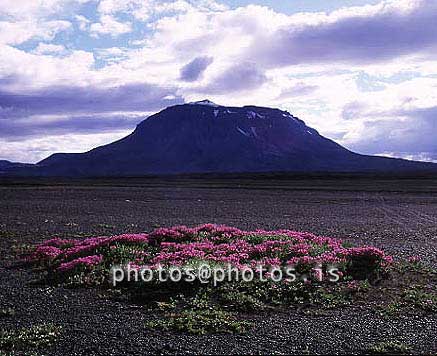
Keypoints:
(203, 137)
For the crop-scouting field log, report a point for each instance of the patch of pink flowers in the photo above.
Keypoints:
(218, 244)
(82, 261)
(68, 249)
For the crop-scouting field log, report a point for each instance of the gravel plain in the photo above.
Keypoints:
(398, 215)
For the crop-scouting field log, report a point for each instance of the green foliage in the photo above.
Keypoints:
(419, 299)
(330, 299)
(82, 277)
(7, 312)
(411, 298)
(198, 315)
(317, 250)
(258, 238)
(389, 348)
(200, 322)
(241, 300)
(289, 294)
(392, 309)
(7, 234)
(119, 254)
(417, 266)
(364, 286)
(347, 244)
(257, 294)
(106, 226)
(22, 249)
(34, 337)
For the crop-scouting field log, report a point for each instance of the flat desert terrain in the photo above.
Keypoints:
(398, 215)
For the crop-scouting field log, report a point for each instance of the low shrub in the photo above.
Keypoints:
(211, 244)
(203, 306)
(7, 312)
(28, 339)
(200, 322)
(389, 348)
(417, 298)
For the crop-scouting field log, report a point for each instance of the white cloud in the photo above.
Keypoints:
(143, 10)
(48, 48)
(26, 9)
(18, 32)
(108, 25)
(35, 149)
(32, 9)
(82, 22)
(34, 71)
(421, 156)
(23, 20)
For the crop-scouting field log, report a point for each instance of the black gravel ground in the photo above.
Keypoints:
(398, 215)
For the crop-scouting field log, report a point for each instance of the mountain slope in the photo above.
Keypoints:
(203, 137)
(6, 166)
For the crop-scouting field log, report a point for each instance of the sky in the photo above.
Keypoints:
(76, 74)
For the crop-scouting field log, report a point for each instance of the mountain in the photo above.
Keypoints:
(6, 166)
(203, 137)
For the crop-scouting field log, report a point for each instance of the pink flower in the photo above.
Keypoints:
(213, 243)
(82, 261)
(414, 259)
(44, 253)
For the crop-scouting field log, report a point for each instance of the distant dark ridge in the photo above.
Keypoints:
(205, 138)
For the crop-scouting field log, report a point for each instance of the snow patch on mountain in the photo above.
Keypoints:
(253, 115)
(289, 116)
(253, 130)
(243, 132)
(205, 102)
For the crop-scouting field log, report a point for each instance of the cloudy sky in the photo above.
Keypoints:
(75, 74)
